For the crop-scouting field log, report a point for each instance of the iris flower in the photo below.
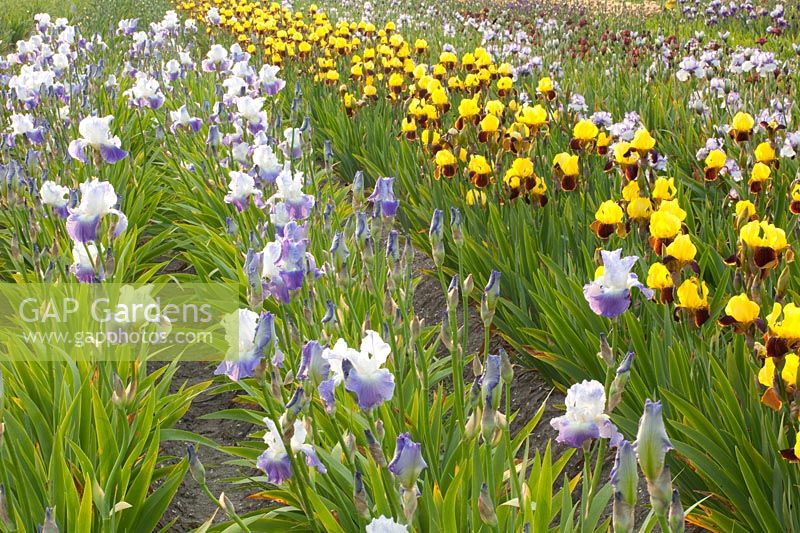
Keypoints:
(290, 194)
(266, 163)
(217, 59)
(609, 294)
(271, 84)
(275, 462)
(585, 418)
(96, 134)
(241, 187)
(361, 370)
(182, 120)
(383, 197)
(407, 463)
(247, 334)
(146, 92)
(383, 524)
(292, 145)
(285, 262)
(56, 196)
(84, 257)
(98, 199)
(23, 125)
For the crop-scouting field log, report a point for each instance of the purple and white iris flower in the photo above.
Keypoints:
(182, 120)
(212, 17)
(292, 144)
(96, 134)
(267, 165)
(275, 462)
(609, 295)
(290, 194)
(127, 26)
(56, 196)
(248, 334)
(98, 199)
(383, 197)
(271, 84)
(84, 259)
(217, 59)
(241, 187)
(283, 267)
(23, 125)
(252, 110)
(361, 370)
(407, 463)
(146, 92)
(172, 70)
(383, 524)
(240, 151)
(585, 418)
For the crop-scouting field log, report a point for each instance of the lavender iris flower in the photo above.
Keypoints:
(383, 197)
(609, 295)
(407, 463)
(313, 366)
(292, 145)
(217, 60)
(285, 262)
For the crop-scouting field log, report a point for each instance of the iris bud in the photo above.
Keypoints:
(408, 498)
(416, 328)
(652, 442)
(489, 300)
(468, 285)
(506, 370)
(444, 333)
(455, 227)
(358, 188)
(49, 525)
(783, 283)
(196, 468)
(621, 379)
(375, 449)
(226, 504)
(606, 353)
(360, 496)
(660, 492)
(4, 517)
(436, 238)
(452, 295)
(486, 507)
(676, 521)
(622, 515)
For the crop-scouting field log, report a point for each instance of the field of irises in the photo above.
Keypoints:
(608, 190)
